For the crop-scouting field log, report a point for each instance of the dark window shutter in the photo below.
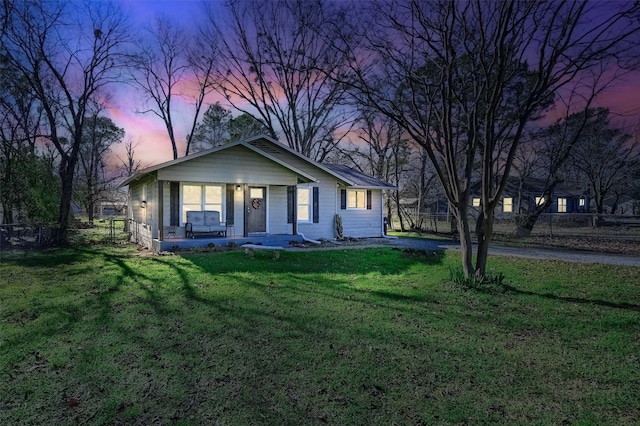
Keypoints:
(230, 212)
(368, 199)
(174, 204)
(343, 199)
(291, 203)
(316, 205)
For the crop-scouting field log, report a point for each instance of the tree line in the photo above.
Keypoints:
(424, 94)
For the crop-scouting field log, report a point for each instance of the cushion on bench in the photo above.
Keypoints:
(205, 221)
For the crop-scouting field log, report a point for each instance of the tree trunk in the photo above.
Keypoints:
(524, 228)
(90, 207)
(67, 174)
(464, 232)
(399, 211)
(484, 231)
(90, 200)
(60, 233)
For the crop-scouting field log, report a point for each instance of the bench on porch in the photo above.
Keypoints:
(204, 222)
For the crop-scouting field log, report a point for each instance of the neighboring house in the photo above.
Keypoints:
(260, 187)
(522, 196)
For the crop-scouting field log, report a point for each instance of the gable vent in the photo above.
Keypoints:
(266, 147)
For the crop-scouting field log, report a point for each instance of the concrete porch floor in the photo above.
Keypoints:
(282, 240)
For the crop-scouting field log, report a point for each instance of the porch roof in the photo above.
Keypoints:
(305, 177)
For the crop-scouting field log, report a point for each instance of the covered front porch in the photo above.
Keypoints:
(181, 243)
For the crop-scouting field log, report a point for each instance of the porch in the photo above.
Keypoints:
(283, 240)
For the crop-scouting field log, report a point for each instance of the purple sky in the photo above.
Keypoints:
(150, 135)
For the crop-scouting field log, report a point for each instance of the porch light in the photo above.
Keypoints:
(238, 188)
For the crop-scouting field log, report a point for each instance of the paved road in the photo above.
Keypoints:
(524, 252)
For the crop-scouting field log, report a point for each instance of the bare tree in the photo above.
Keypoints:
(464, 79)
(553, 145)
(381, 150)
(606, 156)
(129, 165)
(92, 182)
(167, 67)
(272, 61)
(67, 54)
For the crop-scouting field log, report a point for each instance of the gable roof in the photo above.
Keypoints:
(276, 152)
(245, 143)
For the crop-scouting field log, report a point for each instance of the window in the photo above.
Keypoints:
(582, 202)
(304, 204)
(507, 204)
(356, 199)
(201, 197)
(256, 193)
(562, 205)
(475, 202)
(540, 201)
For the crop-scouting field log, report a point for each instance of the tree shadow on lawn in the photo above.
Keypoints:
(385, 261)
(617, 305)
(292, 289)
(48, 258)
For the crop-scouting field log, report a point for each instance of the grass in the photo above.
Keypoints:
(100, 335)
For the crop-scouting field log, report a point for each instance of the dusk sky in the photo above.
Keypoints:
(149, 132)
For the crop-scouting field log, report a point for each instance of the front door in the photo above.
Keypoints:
(256, 207)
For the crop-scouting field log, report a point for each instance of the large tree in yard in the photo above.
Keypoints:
(100, 135)
(172, 65)
(607, 157)
(465, 79)
(273, 65)
(66, 53)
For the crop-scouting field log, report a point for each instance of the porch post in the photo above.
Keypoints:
(160, 210)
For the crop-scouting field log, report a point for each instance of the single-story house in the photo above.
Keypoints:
(523, 195)
(259, 187)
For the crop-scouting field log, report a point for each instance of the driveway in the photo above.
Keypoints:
(523, 252)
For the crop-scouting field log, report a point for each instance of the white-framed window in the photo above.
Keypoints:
(304, 205)
(507, 204)
(540, 201)
(582, 202)
(201, 197)
(475, 202)
(562, 205)
(356, 199)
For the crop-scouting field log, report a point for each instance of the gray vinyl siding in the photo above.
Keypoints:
(138, 213)
(363, 223)
(327, 193)
(234, 165)
(355, 223)
(238, 212)
(278, 210)
(144, 224)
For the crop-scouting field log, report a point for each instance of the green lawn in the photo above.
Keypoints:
(100, 335)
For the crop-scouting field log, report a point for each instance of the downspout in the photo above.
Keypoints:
(308, 240)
